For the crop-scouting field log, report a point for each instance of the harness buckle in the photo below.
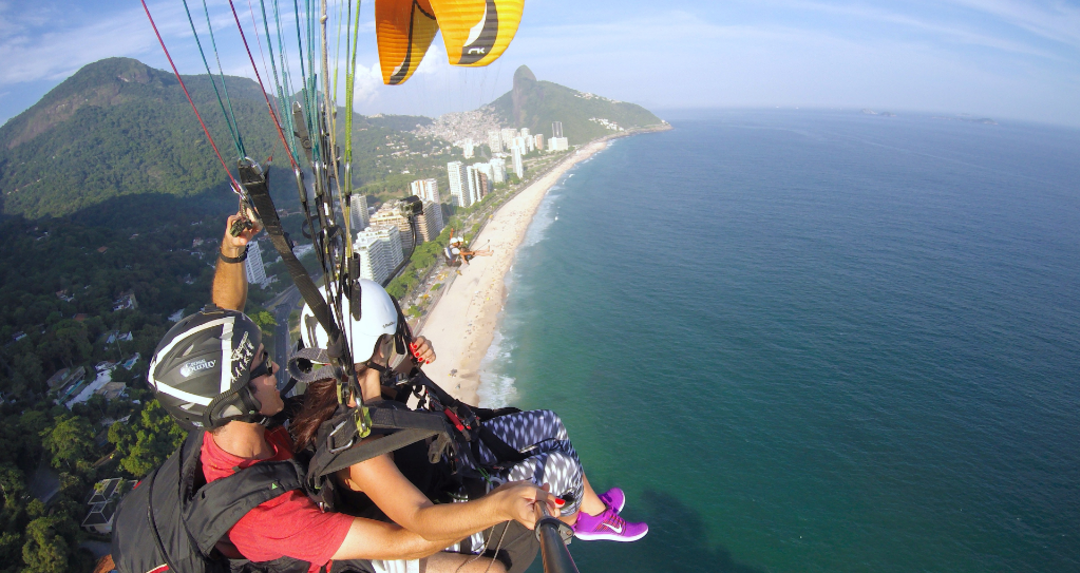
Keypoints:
(330, 439)
(360, 421)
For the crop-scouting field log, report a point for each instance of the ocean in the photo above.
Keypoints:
(814, 341)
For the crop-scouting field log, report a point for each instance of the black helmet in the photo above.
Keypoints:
(200, 370)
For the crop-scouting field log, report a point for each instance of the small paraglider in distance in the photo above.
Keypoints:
(457, 253)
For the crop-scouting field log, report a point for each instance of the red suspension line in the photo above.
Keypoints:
(269, 106)
(236, 186)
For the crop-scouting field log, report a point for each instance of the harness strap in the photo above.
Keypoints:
(218, 505)
(299, 372)
(256, 185)
(340, 444)
(503, 451)
(153, 524)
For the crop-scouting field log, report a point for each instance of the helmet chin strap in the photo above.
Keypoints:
(238, 404)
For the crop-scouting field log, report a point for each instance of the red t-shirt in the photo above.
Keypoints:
(288, 525)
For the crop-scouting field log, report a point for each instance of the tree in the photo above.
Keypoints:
(12, 482)
(265, 321)
(45, 551)
(156, 437)
(27, 372)
(69, 441)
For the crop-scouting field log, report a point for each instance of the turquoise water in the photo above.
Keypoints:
(815, 342)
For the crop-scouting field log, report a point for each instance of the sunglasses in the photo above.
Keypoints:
(264, 368)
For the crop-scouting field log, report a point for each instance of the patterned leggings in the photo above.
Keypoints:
(552, 459)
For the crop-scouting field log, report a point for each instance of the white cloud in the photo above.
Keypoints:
(35, 51)
(368, 80)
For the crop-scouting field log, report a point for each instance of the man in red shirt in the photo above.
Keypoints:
(212, 374)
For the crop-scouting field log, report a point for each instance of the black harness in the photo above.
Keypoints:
(452, 428)
(173, 519)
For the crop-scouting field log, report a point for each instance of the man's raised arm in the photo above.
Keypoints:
(230, 276)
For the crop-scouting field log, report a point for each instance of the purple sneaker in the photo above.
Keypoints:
(614, 499)
(608, 526)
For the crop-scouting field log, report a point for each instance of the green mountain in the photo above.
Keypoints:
(536, 104)
(119, 129)
(118, 138)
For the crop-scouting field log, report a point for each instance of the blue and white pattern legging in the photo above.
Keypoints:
(552, 459)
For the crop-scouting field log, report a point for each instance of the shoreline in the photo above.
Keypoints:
(463, 322)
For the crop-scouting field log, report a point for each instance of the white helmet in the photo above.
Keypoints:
(378, 317)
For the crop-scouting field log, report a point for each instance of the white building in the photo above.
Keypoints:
(467, 148)
(519, 168)
(379, 250)
(426, 190)
(391, 214)
(256, 273)
(475, 189)
(358, 212)
(494, 141)
(459, 184)
(102, 501)
(498, 169)
(508, 136)
(558, 144)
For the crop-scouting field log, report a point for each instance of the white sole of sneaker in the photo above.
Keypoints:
(609, 537)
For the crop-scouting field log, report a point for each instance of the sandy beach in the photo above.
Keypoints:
(462, 324)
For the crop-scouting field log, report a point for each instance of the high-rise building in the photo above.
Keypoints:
(495, 141)
(391, 214)
(556, 129)
(525, 132)
(256, 273)
(508, 136)
(519, 144)
(358, 212)
(538, 141)
(379, 251)
(426, 189)
(498, 169)
(558, 144)
(474, 184)
(486, 169)
(519, 168)
(483, 184)
(467, 148)
(430, 223)
(459, 184)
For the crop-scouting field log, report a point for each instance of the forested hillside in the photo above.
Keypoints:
(119, 128)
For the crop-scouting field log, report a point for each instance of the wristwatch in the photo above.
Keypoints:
(234, 260)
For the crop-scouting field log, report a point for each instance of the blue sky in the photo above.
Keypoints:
(1006, 59)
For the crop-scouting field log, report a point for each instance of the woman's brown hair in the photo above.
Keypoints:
(320, 401)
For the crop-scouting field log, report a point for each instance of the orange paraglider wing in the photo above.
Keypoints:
(477, 32)
(404, 29)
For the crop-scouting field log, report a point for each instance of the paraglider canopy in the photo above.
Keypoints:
(475, 32)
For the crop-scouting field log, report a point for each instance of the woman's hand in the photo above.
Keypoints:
(519, 500)
(422, 350)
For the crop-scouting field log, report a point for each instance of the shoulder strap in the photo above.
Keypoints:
(218, 505)
(340, 445)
